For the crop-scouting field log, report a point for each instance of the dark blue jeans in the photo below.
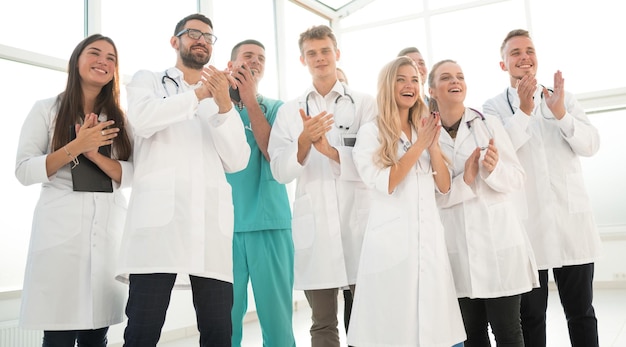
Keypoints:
(68, 338)
(575, 286)
(501, 313)
(149, 297)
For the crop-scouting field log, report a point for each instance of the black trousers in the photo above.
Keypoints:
(149, 297)
(575, 287)
(69, 338)
(501, 313)
(347, 307)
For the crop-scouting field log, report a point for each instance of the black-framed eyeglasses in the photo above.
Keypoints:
(474, 127)
(195, 34)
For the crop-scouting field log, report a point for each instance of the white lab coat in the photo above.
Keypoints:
(561, 226)
(69, 280)
(488, 248)
(405, 292)
(180, 214)
(331, 203)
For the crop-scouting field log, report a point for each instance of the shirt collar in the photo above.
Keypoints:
(179, 77)
(338, 89)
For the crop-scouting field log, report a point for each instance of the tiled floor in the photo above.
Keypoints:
(610, 305)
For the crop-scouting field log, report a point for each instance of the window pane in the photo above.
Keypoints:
(439, 4)
(141, 30)
(362, 63)
(477, 46)
(604, 172)
(47, 27)
(297, 21)
(258, 17)
(15, 225)
(578, 48)
(382, 10)
(335, 4)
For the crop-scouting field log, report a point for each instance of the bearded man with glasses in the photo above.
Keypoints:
(187, 135)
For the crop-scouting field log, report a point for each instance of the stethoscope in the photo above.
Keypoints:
(508, 100)
(240, 107)
(259, 99)
(339, 116)
(471, 125)
(405, 147)
(167, 76)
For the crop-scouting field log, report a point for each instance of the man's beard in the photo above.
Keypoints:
(192, 60)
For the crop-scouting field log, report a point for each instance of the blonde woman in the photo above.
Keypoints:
(405, 294)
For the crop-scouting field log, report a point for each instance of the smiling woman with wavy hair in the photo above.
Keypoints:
(405, 294)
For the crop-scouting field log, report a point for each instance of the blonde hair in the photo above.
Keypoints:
(389, 125)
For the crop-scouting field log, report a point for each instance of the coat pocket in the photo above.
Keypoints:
(303, 223)
(577, 197)
(385, 246)
(226, 210)
(153, 202)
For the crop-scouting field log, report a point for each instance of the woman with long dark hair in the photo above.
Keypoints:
(70, 290)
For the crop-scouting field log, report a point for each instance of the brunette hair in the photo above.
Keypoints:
(235, 50)
(432, 103)
(345, 78)
(71, 103)
(319, 32)
(196, 16)
(409, 50)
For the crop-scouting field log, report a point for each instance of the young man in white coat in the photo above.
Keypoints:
(180, 216)
(549, 131)
(311, 141)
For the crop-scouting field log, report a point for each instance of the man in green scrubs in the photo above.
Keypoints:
(262, 243)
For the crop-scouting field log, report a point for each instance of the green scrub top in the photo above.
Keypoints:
(260, 202)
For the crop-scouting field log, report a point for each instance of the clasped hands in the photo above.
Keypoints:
(215, 85)
(314, 131)
(428, 129)
(92, 135)
(526, 87)
(489, 162)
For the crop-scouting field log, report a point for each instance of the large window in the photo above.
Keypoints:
(27, 84)
(364, 52)
(250, 20)
(47, 27)
(476, 46)
(142, 30)
(605, 171)
(296, 76)
(584, 41)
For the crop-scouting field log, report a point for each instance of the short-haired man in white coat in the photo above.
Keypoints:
(311, 141)
(549, 131)
(180, 216)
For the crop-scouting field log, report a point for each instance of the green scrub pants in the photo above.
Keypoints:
(265, 258)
